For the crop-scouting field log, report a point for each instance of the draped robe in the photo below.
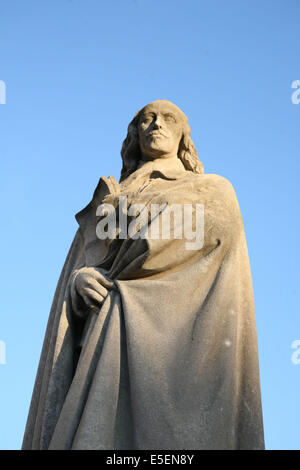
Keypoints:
(170, 361)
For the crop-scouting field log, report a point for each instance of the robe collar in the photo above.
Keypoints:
(157, 168)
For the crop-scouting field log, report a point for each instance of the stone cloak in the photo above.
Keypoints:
(170, 361)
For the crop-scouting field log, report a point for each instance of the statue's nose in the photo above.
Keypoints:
(157, 123)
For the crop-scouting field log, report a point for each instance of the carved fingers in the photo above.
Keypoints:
(89, 288)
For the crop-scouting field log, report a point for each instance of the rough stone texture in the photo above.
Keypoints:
(150, 345)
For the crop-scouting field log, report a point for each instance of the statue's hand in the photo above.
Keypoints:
(89, 289)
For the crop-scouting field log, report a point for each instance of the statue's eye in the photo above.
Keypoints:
(170, 118)
(147, 118)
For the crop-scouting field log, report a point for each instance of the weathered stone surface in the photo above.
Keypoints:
(151, 345)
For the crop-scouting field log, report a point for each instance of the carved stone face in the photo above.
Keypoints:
(160, 130)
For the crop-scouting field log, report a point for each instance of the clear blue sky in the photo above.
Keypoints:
(76, 72)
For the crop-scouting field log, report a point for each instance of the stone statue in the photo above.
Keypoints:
(151, 340)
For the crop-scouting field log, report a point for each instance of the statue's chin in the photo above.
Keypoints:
(155, 150)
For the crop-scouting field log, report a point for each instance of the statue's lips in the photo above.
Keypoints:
(156, 134)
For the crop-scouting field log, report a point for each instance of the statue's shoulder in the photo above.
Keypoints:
(216, 182)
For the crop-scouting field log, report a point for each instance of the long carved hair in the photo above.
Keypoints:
(131, 153)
